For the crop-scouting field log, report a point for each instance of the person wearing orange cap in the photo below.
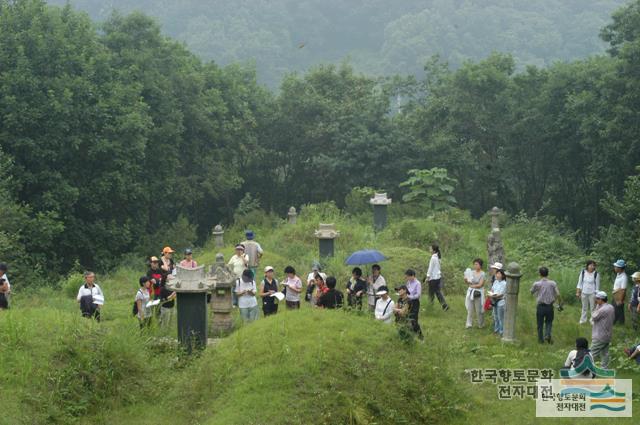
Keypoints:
(167, 261)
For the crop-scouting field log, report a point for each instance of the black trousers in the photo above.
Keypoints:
(414, 312)
(544, 317)
(434, 290)
(618, 313)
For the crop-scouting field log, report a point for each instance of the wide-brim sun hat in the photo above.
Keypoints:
(635, 276)
(620, 264)
(268, 269)
(497, 266)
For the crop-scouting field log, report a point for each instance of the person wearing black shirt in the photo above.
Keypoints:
(356, 288)
(267, 289)
(167, 297)
(332, 298)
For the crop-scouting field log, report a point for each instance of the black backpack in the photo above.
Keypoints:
(135, 306)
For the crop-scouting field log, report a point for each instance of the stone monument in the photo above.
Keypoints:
(218, 236)
(511, 308)
(495, 249)
(221, 307)
(292, 215)
(380, 203)
(326, 235)
(191, 287)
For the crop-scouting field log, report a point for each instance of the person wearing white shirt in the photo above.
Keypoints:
(90, 297)
(3, 272)
(311, 283)
(384, 305)
(239, 262)
(374, 283)
(246, 290)
(434, 277)
(588, 285)
(619, 290)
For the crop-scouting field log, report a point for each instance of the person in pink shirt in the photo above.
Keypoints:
(188, 262)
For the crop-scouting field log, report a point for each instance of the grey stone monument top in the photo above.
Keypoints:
(380, 199)
(217, 230)
(190, 280)
(292, 214)
(495, 213)
(513, 270)
(327, 231)
(220, 274)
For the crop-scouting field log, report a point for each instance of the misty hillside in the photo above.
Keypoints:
(378, 36)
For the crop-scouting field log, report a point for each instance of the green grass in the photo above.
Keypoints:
(297, 367)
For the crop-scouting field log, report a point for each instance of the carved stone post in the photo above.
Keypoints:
(191, 286)
(511, 307)
(292, 215)
(221, 306)
(380, 203)
(218, 235)
(495, 249)
(326, 234)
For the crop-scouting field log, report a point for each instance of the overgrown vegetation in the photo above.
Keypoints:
(139, 142)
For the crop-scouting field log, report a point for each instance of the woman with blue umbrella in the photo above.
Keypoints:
(357, 287)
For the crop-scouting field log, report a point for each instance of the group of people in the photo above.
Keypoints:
(321, 292)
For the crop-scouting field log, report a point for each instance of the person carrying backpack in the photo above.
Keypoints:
(588, 285)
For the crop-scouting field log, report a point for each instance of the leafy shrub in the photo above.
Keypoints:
(71, 284)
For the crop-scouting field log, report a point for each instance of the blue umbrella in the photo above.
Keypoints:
(366, 256)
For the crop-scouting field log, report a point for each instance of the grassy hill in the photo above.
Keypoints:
(308, 366)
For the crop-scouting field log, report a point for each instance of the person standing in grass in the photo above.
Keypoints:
(294, 287)
(401, 312)
(90, 297)
(474, 300)
(311, 283)
(253, 250)
(498, 291)
(619, 290)
(434, 277)
(3, 274)
(142, 298)
(603, 318)
(414, 291)
(588, 285)
(246, 291)
(167, 298)
(320, 288)
(239, 262)
(188, 262)
(332, 298)
(4, 289)
(356, 288)
(547, 292)
(634, 302)
(167, 264)
(269, 287)
(156, 275)
(384, 305)
(374, 283)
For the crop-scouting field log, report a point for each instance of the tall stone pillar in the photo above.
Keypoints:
(218, 236)
(380, 203)
(511, 308)
(191, 286)
(326, 235)
(292, 215)
(495, 249)
(220, 318)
